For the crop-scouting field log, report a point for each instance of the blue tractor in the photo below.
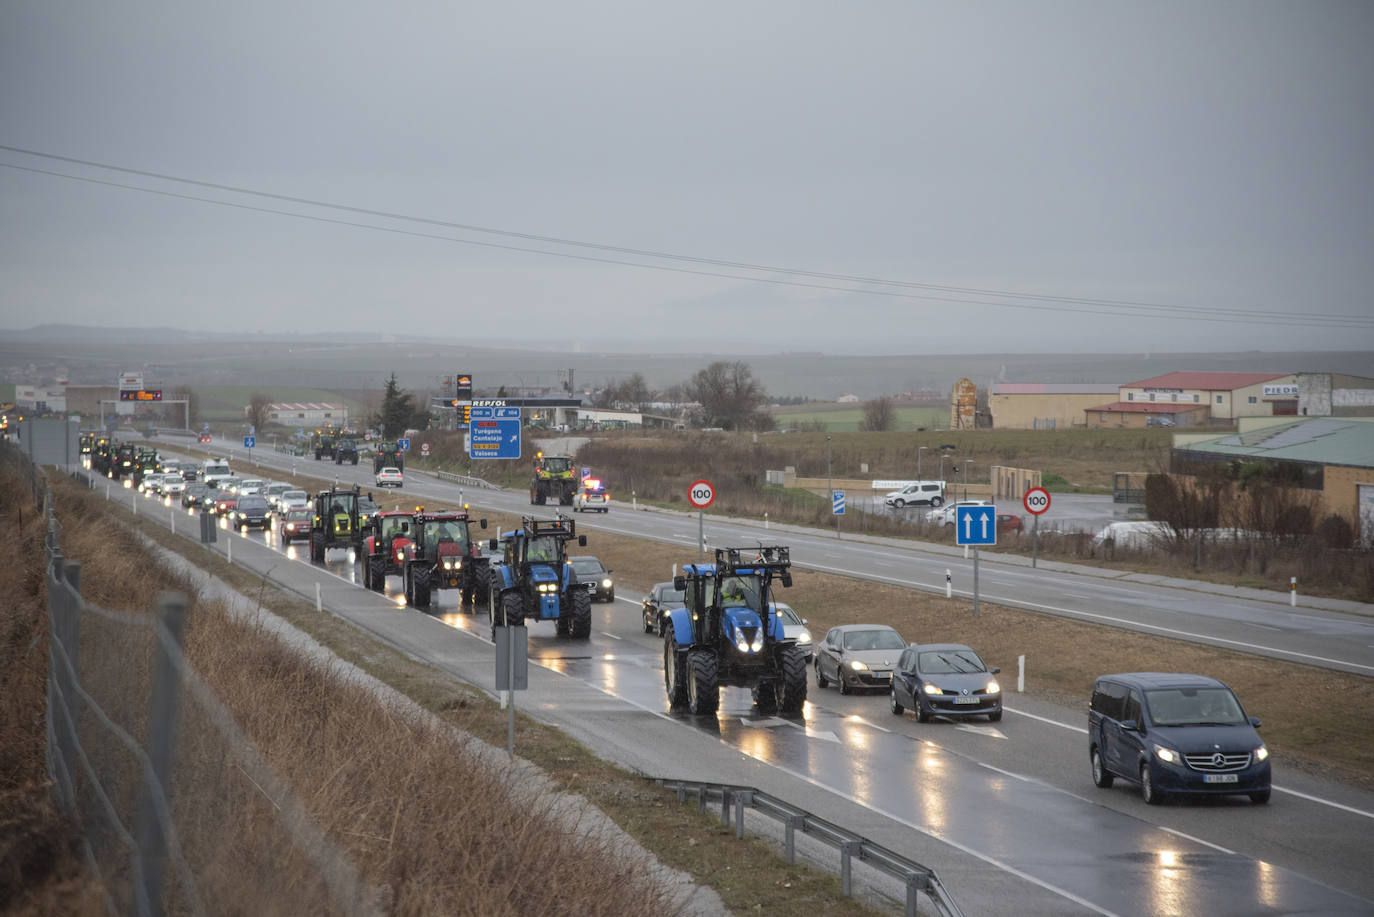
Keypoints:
(533, 580)
(728, 633)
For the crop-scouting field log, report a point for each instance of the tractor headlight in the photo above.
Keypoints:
(857, 666)
(741, 644)
(400, 555)
(757, 645)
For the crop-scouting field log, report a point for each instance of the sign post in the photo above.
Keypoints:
(1036, 501)
(837, 508)
(512, 670)
(701, 495)
(975, 525)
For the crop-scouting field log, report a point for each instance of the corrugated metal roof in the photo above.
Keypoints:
(1323, 440)
(1148, 407)
(1053, 388)
(1212, 382)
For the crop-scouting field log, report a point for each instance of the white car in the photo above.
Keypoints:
(591, 498)
(293, 499)
(794, 627)
(274, 491)
(172, 485)
(390, 477)
(932, 492)
(946, 514)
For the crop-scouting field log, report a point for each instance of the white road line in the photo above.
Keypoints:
(611, 635)
(1197, 840)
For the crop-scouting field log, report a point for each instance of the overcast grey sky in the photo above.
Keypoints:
(1217, 156)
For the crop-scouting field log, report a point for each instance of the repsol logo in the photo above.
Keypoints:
(490, 403)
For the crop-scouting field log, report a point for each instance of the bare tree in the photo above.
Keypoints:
(257, 410)
(879, 415)
(730, 396)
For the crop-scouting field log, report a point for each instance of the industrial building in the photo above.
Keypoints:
(307, 414)
(1193, 398)
(1044, 405)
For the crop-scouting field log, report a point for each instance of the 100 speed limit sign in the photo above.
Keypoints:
(701, 494)
(1036, 500)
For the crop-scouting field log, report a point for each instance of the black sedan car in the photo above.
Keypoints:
(588, 571)
(252, 511)
(195, 494)
(945, 679)
(662, 599)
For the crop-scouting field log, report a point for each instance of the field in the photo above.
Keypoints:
(845, 418)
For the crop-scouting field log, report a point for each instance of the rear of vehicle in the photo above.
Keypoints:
(592, 496)
(390, 477)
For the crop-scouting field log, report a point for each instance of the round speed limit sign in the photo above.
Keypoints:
(1036, 500)
(701, 494)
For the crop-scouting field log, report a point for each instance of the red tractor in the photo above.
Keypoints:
(441, 555)
(384, 548)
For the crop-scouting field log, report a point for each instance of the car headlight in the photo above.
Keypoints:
(605, 584)
(1166, 754)
(804, 636)
(993, 687)
(857, 666)
(1261, 753)
(929, 688)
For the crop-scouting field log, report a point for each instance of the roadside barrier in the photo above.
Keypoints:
(918, 879)
(465, 480)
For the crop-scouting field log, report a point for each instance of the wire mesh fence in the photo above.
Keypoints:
(177, 810)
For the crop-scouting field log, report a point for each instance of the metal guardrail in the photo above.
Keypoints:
(919, 879)
(465, 480)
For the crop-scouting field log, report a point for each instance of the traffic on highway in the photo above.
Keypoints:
(1020, 797)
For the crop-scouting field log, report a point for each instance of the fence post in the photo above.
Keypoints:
(847, 851)
(150, 832)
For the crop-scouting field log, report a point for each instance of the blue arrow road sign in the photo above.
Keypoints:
(975, 525)
(403, 444)
(249, 442)
(837, 502)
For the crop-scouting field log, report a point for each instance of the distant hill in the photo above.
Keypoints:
(360, 362)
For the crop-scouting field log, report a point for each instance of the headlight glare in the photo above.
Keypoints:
(931, 689)
(1261, 753)
(1166, 754)
(857, 666)
(993, 687)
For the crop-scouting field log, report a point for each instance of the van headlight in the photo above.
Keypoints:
(1166, 754)
(1261, 753)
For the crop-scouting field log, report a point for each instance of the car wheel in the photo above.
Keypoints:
(1260, 797)
(821, 681)
(844, 685)
(1101, 776)
(896, 707)
(937, 502)
(995, 716)
(899, 503)
(1152, 795)
(922, 714)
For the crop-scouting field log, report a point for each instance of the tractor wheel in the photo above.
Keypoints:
(377, 576)
(367, 573)
(316, 549)
(580, 627)
(703, 685)
(674, 672)
(512, 609)
(563, 625)
(355, 460)
(791, 691)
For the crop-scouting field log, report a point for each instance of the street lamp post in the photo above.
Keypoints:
(967, 462)
(829, 478)
(919, 450)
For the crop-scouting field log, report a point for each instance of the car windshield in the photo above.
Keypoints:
(251, 504)
(557, 464)
(295, 495)
(586, 565)
(670, 596)
(1193, 707)
(950, 662)
(873, 640)
(787, 614)
(447, 530)
(298, 515)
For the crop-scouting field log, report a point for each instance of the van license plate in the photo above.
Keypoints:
(1219, 778)
(965, 700)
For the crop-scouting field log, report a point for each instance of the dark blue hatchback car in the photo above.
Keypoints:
(1175, 735)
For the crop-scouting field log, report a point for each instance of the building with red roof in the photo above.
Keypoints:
(1192, 398)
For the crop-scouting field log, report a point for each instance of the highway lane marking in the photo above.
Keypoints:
(1197, 840)
(611, 635)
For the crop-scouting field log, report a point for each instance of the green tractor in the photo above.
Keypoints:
(325, 444)
(554, 477)
(336, 522)
(388, 455)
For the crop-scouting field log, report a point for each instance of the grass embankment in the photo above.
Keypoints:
(430, 828)
(846, 418)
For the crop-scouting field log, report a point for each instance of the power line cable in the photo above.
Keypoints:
(1108, 307)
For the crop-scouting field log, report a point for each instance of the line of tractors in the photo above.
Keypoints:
(726, 633)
